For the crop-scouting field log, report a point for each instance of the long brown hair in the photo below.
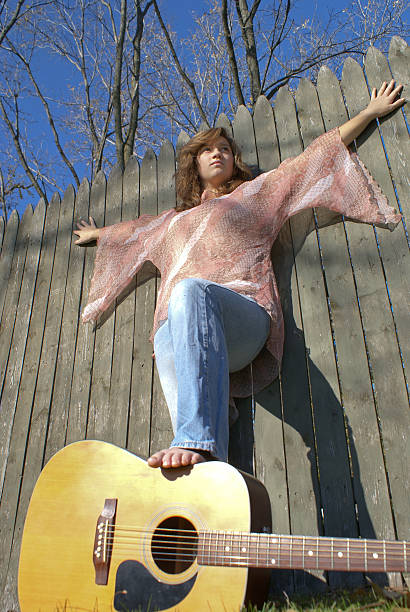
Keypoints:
(188, 182)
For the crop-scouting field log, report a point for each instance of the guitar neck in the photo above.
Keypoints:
(302, 552)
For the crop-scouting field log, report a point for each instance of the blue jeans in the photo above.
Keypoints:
(210, 331)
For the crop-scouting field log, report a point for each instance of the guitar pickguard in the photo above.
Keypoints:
(137, 589)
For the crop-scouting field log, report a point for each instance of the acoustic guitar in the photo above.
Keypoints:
(105, 532)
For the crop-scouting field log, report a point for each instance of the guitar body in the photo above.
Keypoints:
(59, 547)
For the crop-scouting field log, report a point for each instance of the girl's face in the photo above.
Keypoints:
(215, 163)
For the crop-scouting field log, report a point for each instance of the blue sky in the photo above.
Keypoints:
(56, 76)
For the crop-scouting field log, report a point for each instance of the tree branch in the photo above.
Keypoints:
(48, 113)
(136, 43)
(116, 93)
(231, 53)
(15, 136)
(248, 36)
(181, 71)
(7, 27)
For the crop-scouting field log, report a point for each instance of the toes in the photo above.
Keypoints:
(197, 458)
(156, 459)
(176, 457)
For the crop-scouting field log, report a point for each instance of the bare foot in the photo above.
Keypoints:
(176, 457)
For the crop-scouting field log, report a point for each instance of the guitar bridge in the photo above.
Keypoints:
(103, 541)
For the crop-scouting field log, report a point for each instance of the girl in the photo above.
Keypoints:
(218, 307)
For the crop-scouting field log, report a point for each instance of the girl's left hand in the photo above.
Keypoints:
(384, 101)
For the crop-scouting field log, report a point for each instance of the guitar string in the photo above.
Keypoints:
(293, 539)
(355, 546)
(260, 552)
(223, 553)
(397, 555)
(185, 540)
(157, 550)
(264, 545)
(247, 560)
(182, 545)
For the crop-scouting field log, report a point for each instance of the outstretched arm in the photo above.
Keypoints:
(381, 103)
(86, 232)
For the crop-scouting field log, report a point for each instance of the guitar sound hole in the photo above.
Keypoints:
(174, 545)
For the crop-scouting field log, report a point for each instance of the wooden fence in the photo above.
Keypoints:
(330, 439)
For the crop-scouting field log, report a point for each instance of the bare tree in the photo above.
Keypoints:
(8, 18)
(134, 82)
(266, 48)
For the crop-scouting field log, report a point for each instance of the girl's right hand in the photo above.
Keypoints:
(86, 232)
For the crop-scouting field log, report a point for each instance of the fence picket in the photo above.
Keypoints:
(399, 60)
(26, 390)
(124, 321)
(142, 366)
(62, 381)
(161, 429)
(298, 428)
(101, 416)
(6, 258)
(13, 291)
(57, 428)
(332, 456)
(83, 360)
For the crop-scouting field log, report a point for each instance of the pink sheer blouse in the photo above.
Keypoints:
(228, 240)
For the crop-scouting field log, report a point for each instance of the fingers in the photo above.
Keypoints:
(84, 225)
(388, 90)
(398, 103)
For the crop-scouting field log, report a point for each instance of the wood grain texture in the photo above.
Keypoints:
(2, 230)
(124, 322)
(265, 135)
(242, 442)
(16, 357)
(7, 326)
(399, 60)
(369, 478)
(393, 248)
(57, 387)
(224, 122)
(161, 429)
(59, 414)
(44, 386)
(142, 366)
(380, 330)
(83, 361)
(394, 130)
(23, 314)
(244, 135)
(34, 452)
(182, 140)
(124, 477)
(101, 414)
(270, 460)
(6, 258)
(336, 495)
(302, 476)
(10, 538)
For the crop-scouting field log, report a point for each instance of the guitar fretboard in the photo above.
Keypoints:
(302, 552)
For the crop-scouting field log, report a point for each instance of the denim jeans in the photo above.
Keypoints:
(210, 331)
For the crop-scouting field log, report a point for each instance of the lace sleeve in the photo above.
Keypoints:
(325, 175)
(122, 249)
